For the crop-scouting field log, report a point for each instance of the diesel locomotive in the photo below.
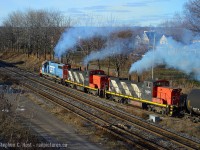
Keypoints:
(154, 95)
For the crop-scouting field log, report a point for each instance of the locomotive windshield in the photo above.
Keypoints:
(60, 67)
(161, 83)
(100, 73)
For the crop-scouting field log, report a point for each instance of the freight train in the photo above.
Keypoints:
(154, 95)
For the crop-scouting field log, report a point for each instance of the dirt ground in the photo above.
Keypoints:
(77, 129)
(177, 124)
(81, 126)
(13, 134)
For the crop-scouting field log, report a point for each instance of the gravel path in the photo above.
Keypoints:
(50, 127)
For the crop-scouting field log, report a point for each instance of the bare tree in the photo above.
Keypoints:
(118, 62)
(96, 44)
(85, 48)
(189, 19)
(174, 27)
(33, 31)
(192, 15)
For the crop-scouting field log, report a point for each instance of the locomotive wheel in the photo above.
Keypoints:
(108, 96)
(85, 90)
(62, 82)
(194, 119)
(163, 112)
(149, 108)
(125, 101)
(95, 94)
(119, 101)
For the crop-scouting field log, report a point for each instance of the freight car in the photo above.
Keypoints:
(193, 104)
(153, 95)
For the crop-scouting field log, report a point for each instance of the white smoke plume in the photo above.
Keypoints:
(112, 48)
(185, 58)
(71, 37)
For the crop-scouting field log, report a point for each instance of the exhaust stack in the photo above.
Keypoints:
(129, 77)
(138, 78)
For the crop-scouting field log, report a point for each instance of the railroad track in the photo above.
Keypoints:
(127, 118)
(127, 136)
(96, 120)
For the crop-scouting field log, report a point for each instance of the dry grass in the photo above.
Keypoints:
(31, 63)
(11, 129)
(81, 126)
(182, 126)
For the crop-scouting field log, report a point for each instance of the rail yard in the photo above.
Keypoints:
(104, 114)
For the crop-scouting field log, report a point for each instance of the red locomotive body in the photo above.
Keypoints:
(163, 94)
(100, 82)
(167, 95)
(98, 79)
(65, 71)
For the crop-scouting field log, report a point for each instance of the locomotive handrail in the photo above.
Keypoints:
(136, 99)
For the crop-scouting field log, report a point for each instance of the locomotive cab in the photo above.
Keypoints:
(159, 92)
(150, 88)
(164, 94)
(65, 69)
(57, 70)
(98, 79)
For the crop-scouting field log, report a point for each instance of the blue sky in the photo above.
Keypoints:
(116, 12)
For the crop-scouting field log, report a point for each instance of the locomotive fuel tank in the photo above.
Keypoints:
(193, 101)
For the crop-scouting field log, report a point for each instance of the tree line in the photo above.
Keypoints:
(38, 31)
(188, 19)
(33, 31)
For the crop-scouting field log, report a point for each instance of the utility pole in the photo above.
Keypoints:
(152, 70)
